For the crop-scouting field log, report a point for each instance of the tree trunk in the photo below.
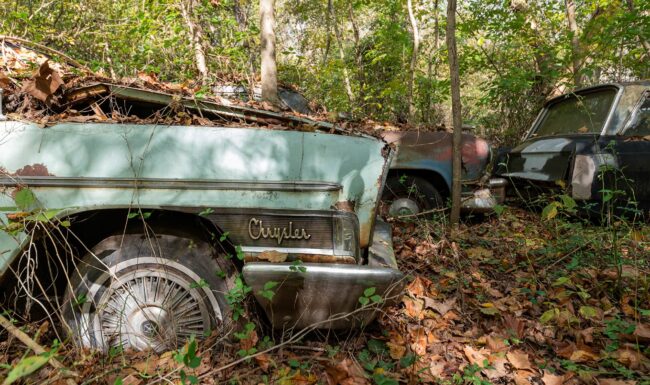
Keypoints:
(196, 38)
(456, 114)
(339, 40)
(241, 16)
(575, 41)
(414, 59)
(269, 67)
(358, 55)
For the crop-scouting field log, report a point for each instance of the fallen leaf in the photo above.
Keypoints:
(4, 80)
(263, 360)
(519, 359)
(479, 253)
(44, 83)
(441, 307)
(272, 256)
(496, 343)
(523, 377)
(413, 308)
(416, 288)
(614, 381)
(631, 358)
(476, 357)
(396, 351)
(642, 332)
(552, 379)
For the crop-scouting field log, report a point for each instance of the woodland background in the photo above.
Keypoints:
(380, 59)
(511, 299)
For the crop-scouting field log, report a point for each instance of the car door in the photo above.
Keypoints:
(632, 149)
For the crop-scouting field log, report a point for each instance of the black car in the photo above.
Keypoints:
(593, 143)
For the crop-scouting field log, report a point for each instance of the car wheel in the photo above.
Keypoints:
(409, 195)
(146, 292)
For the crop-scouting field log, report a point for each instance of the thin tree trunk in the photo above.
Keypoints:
(328, 27)
(575, 41)
(269, 67)
(414, 59)
(346, 75)
(241, 16)
(196, 38)
(456, 114)
(358, 59)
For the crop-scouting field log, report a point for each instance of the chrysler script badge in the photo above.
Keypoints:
(257, 230)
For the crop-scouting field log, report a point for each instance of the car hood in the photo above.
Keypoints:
(543, 159)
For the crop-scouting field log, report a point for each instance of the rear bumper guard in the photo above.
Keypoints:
(320, 295)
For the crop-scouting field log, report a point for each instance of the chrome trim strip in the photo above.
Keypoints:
(291, 250)
(167, 184)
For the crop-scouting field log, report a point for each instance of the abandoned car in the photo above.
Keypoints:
(419, 180)
(595, 142)
(155, 214)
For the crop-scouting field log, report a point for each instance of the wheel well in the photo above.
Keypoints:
(431, 176)
(55, 251)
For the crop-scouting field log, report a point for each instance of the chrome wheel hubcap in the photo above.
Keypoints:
(153, 306)
(403, 206)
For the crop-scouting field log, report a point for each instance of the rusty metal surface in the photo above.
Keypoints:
(433, 151)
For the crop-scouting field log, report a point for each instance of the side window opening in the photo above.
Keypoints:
(640, 125)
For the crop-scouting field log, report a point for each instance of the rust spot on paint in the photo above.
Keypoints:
(36, 169)
(345, 206)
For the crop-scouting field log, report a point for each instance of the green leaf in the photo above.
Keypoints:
(364, 300)
(224, 236)
(588, 311)
(268, 294)
(270, 285)
(550, 211)
(568, 202)
(25, 367)
(490, 310)
(407, 360)
(548, 316)
(369, 291)
(562, 281)
(376, 298)
(205, 212)
(378, 347)
(25, 199)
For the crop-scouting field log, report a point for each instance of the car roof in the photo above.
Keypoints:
(645, 82)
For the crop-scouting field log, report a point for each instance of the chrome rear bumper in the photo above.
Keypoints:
(324, 295)
(484, 200)
(327, 295)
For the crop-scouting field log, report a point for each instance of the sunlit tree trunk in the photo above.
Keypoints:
(575, 41)
(196, 38)
(339, 40)
(269, 67)
(414, 59)
(456, 114)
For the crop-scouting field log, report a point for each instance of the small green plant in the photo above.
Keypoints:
(267, 291)
(370, 296)
(244, 334)
(297, 266)
(236, 296)
(188, 358)
(206, 212)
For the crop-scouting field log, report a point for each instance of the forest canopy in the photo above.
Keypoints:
(361, 57)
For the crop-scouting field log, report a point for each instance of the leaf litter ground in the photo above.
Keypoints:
(512, 300)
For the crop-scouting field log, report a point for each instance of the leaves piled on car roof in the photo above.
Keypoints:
(39, 89)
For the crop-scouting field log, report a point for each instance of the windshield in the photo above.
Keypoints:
(577, 114)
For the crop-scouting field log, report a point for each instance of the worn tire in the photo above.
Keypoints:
(146, 292)
(403, 195)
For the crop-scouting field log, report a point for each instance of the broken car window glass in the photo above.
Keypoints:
(578, 114)
(641, 124)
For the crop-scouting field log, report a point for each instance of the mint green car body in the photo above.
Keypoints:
(230, 175)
